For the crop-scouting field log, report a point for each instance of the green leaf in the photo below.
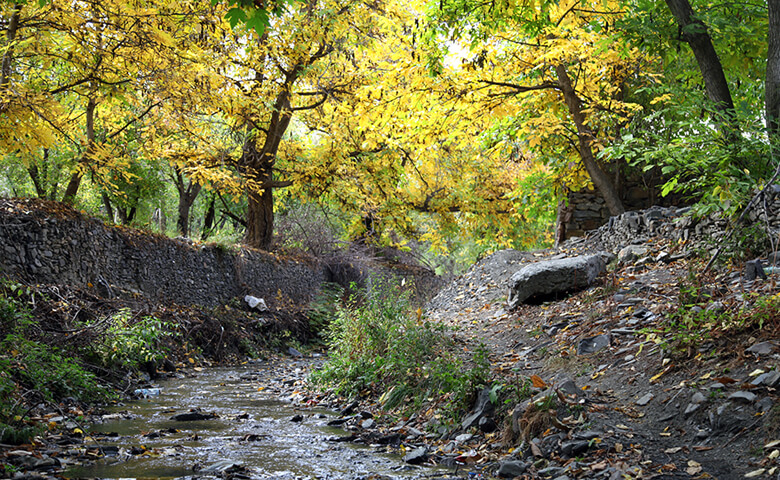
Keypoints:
(235, 15)
(258, 21)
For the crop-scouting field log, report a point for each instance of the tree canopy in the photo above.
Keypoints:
(450, 123)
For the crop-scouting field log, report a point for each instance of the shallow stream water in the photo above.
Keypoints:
(253, 435)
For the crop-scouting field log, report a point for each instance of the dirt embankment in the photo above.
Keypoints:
(657, 371)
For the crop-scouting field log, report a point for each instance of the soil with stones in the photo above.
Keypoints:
(635, 394)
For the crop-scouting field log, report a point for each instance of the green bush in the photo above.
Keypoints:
(129, 342)
(378, 344)
(49, 371)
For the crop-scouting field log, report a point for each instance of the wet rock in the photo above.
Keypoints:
(769, 379)
(593, 344)
(416, 456)
(569, 387)
(349, 409)
(464, 437)
(483, 407)
(645, 399)
(45, 462)
(588, 435)
(754, 269)
(551, 472)
(294, 353)
(743, 396)
(765, 404)
(367, 423)
(698, 398)
(631, 253)
(337, 422)
(511, 468)
(692, 408)
(221, 466)
(297, 418)
(193, 416)
(554, 276)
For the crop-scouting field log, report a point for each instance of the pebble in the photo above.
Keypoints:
(645, 399)
(511, 468)
(416, 456)
(743, 396)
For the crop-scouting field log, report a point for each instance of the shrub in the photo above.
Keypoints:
(130, 342)
(378, 344)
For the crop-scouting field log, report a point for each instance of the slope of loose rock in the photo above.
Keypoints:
(647, 410)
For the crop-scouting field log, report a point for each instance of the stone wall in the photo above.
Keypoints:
(46, 242)
(585, 210)
(677, 224)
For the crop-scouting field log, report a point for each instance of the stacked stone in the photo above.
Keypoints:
(588, 213)
(41, 245)
(767, 211)
(678, 225)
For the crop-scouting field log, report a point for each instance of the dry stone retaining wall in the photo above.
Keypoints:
(46, 242)
(637, 227)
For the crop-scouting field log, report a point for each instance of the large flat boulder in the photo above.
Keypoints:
(554, 276)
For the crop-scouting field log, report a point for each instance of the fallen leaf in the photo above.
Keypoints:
(756, 373)
(724, 380)
(618, 447)
(755, 473)
(774, 454)
(536, 451)
(537, 381)
(665, 434)
(773, 443)
(700, 448)
(673, 450)
(694, 467)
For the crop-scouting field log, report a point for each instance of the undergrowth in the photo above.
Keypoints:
(697, 319)
(379, 346)
(46, 364)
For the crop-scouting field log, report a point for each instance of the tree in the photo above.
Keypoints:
(773, 76)
(545, 54)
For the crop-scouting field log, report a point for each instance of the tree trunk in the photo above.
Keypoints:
(694, 32)
(260, 219)
(585, 137)
(259, 170)
(187, 195)
(75, 179)
(107, 206)
(208, 220)
(35, 176)
(10, 36)
(773, 78)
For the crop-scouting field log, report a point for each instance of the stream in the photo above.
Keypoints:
(256, 433)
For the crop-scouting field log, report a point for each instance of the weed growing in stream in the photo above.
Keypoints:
(378, 344)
